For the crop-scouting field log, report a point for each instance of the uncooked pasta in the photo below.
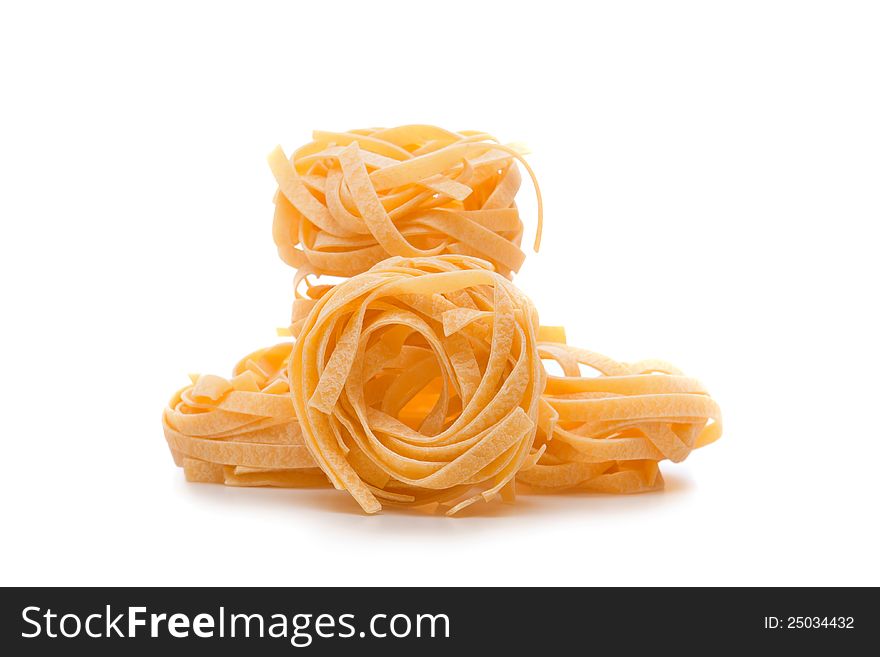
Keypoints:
(242, 430)
(348, 200)
(419, 377)
(419, 381)
(608, 432)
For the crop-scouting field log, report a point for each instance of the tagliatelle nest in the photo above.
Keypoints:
(241, 431)
(348, 200)
(607, 433)
(418, 381)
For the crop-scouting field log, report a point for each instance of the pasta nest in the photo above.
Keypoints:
(348, 200)
(418, 382)
(607, 433)
(243, 430)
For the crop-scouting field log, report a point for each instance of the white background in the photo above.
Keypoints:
(711, 179)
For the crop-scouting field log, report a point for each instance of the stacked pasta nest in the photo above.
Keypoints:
(419, 379)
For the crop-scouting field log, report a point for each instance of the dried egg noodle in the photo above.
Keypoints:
(607, 433)
(603, 433)
(348, 200)
(241, 431)
(418, 382)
